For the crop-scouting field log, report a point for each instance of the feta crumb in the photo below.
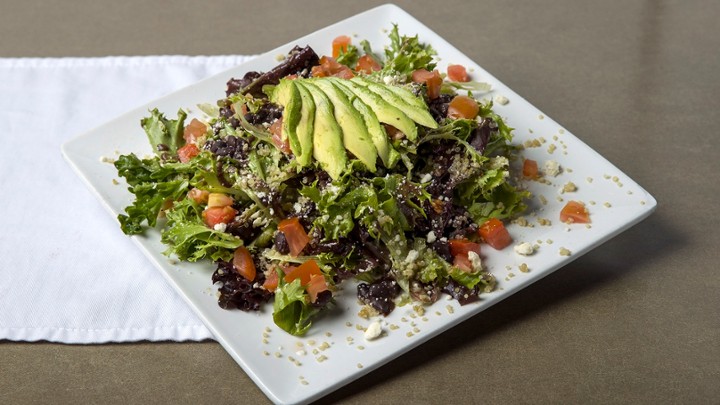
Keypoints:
(411, 256)
(525, 249)
(373, 331)
(220, 227)
(426, 178)
(564, 252)
(475, 260)
(552, 168)
(502, 100)
(431, 237)
(280, 57)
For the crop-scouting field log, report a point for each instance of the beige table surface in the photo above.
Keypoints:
(635, 321)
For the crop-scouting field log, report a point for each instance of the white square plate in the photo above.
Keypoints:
(298, 370)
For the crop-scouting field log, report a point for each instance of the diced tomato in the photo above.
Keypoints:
(367, 65)
(330, 67)
(243, 263)
(199, 196)
(318, 71)
(575, 212)
(188, 152)
(276, 131)
(421, 76)
(243, 109)
(271, 279)
(457, 73)
(463, 107)
(295, 235)
(530, 169)
(461, 247)
(219, 200)
(303, 272)
(495, 234)
(316, 285)
(345, 73)
(463, 263)
(340, 45)
(432, 80)
(194, 130)
(218, 215)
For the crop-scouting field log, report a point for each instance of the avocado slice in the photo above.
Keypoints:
(385, 112)
(287, 95)
(420, 115)
(305, 126)
(387, 153)
(328, 148)
(355, 134)
(400, 91)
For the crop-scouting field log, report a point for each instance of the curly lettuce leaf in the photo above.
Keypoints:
(155, 183)
(349, 56)
(190, 239)
(291, 309)
(163, 131)
(406, 54)
(471, 279)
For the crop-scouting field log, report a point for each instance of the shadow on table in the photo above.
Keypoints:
(647, 242)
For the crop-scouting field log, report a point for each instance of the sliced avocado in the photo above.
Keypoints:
(286, 94)
(328, 148)
(305, 126)
(400, 91)
(385, 112)
(387, 153)
(420, 115)
(355, 134)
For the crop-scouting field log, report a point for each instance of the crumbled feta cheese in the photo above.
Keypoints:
(524, 249)
(411, 256)
(220, 227)
(426, 178)
(373, 331)
(475, 260)
(552, 168)
(502, 100)
(394, 80)
(431, 237)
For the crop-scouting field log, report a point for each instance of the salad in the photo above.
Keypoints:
(360, 165)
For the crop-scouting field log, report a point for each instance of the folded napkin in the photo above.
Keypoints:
(67, 273)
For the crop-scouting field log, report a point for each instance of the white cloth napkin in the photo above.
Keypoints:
(66, 272)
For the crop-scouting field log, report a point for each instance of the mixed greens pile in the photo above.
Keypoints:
(325, 169)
